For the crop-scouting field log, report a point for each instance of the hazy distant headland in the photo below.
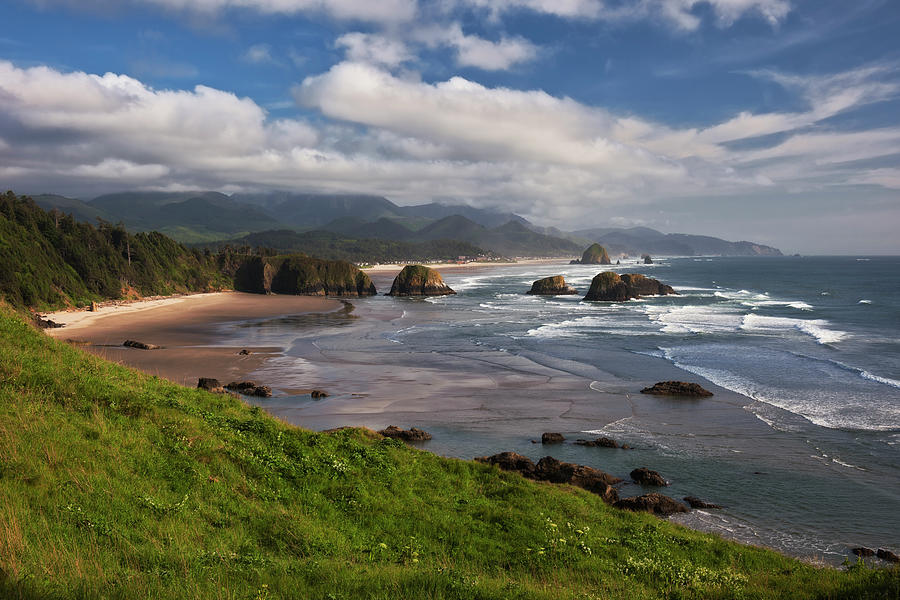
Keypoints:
(368, 228)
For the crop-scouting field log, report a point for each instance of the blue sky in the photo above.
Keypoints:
(770, 120)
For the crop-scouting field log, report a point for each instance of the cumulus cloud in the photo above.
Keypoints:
(474, 51)
(380, 11)
(679, 13)
(548, 157)
(374, 48)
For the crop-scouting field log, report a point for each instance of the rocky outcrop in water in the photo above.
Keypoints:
(863, 551)
(610, 287)
(419, 280)
(551, 286)
(655, 503)
(413, 434)
(602, 442)
(318, 394)
(302, 275)
(645, 476)
(677, 388)
(250, 388)
(646, 258)
(698, 503)
(552, 438)
(554, 471)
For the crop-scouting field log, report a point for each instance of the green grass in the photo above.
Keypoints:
(116, 484)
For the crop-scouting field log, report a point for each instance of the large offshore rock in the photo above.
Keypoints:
(302, 275)
(610, 287)
(595, 255)
(551, 286)
(419, 280)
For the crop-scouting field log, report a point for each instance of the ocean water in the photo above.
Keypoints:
(800, 444)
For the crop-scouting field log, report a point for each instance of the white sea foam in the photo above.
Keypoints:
(816, 328)
(879, 379)
(864, 302)
(834, 406)
(694, 318)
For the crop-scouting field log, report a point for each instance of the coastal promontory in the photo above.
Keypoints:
(419, 280)
(551, 286)
(611, 287)
(302, 275)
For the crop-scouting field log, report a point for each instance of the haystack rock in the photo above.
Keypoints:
(610, 287)
(551, 286)
(419, 280)
(595, 255)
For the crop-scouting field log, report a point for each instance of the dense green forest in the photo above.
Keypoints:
(336, 246)
(48, 259)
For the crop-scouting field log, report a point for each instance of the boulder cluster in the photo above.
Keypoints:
(611, 287)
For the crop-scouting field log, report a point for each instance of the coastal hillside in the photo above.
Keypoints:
(334, 246)
(118, 484)
(51, 260)
(638, 240)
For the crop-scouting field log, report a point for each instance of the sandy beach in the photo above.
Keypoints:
(186, 329)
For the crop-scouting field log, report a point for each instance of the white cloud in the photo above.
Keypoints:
(545, 156)
(376, 11)
(374, 48)
(474, 51)
(680, 13)
(258, 54)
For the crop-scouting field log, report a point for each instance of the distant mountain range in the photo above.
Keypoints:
(197, 217)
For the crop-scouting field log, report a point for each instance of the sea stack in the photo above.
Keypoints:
(595, 255)
(610, 287)
(646, 258)
(551, 286)
(419, 280)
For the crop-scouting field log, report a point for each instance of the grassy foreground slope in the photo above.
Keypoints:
(116, 484)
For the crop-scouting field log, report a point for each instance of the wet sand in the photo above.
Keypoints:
(188, 329)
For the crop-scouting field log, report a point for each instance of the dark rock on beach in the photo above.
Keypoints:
(554, 471)
(43, 323)
(655, 503)
(250, 388)
(552, 438)
(318, 394)
(551, 286)
(245, 352)
(407, 435)
(645, 476)
(140, 345)
(510, 461)
(610, 287)
(698, 503)
(863, 551)
(887, 555)
(677, 388)
(210, 385)
(419, 280)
